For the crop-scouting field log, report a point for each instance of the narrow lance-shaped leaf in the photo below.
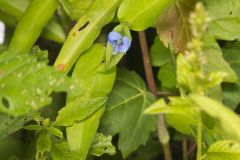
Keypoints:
(16, 8)
(94, 82)
(124, 112)
(31, 25)
(85, 32)
(78, 110)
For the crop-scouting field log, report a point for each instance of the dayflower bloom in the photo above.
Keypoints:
(2, 32)
(120, 44)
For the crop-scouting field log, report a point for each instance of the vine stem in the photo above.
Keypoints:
(199, 137)
(185, 148)
(162, 129)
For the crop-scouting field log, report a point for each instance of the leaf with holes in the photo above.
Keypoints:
(124, 112)
(224, 150)
(173, 26)
(101, 145)
(26, 82)
(225, 17)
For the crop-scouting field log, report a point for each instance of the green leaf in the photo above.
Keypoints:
(231, 55)
(101, 145)
(16, 8)
(55, 131)
(179, 113)
(84, 33)
(173, 26)
(94, 82)
(78, 110)
(159, 54)
(136, 13)
(33, 127)
(224, 150)
(124, 112)
(228, 119)
(60, 151)
(231, 95)
(215, 60)
(43, 143)
(222, 9)
(76, 8)
(26, 81)
(90, 74)
(225, 18)
(225, 28)
(113, 58)
(10, 124)
(167, 75)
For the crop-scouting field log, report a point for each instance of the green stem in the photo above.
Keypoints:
(199, 137)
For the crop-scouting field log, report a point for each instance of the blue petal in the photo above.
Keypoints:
(113, 37)
(126, 41)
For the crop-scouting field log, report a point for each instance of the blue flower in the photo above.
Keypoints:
(120, 44)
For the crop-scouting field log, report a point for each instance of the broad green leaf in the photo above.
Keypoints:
(101, 145)
(167, 75)
(152, 150)
(124, 112)
(215, 61)
(222, 9)
(26, 81)
(78, 110)
(225, 28)
(159, 54)
(224, 150)
(76, 8)
(173, 26)
(232, 56)
(229, 121)
(85, 32)
(10, 124)
(225, 18)
(231, 95)
(141, 14)
(162, 57)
